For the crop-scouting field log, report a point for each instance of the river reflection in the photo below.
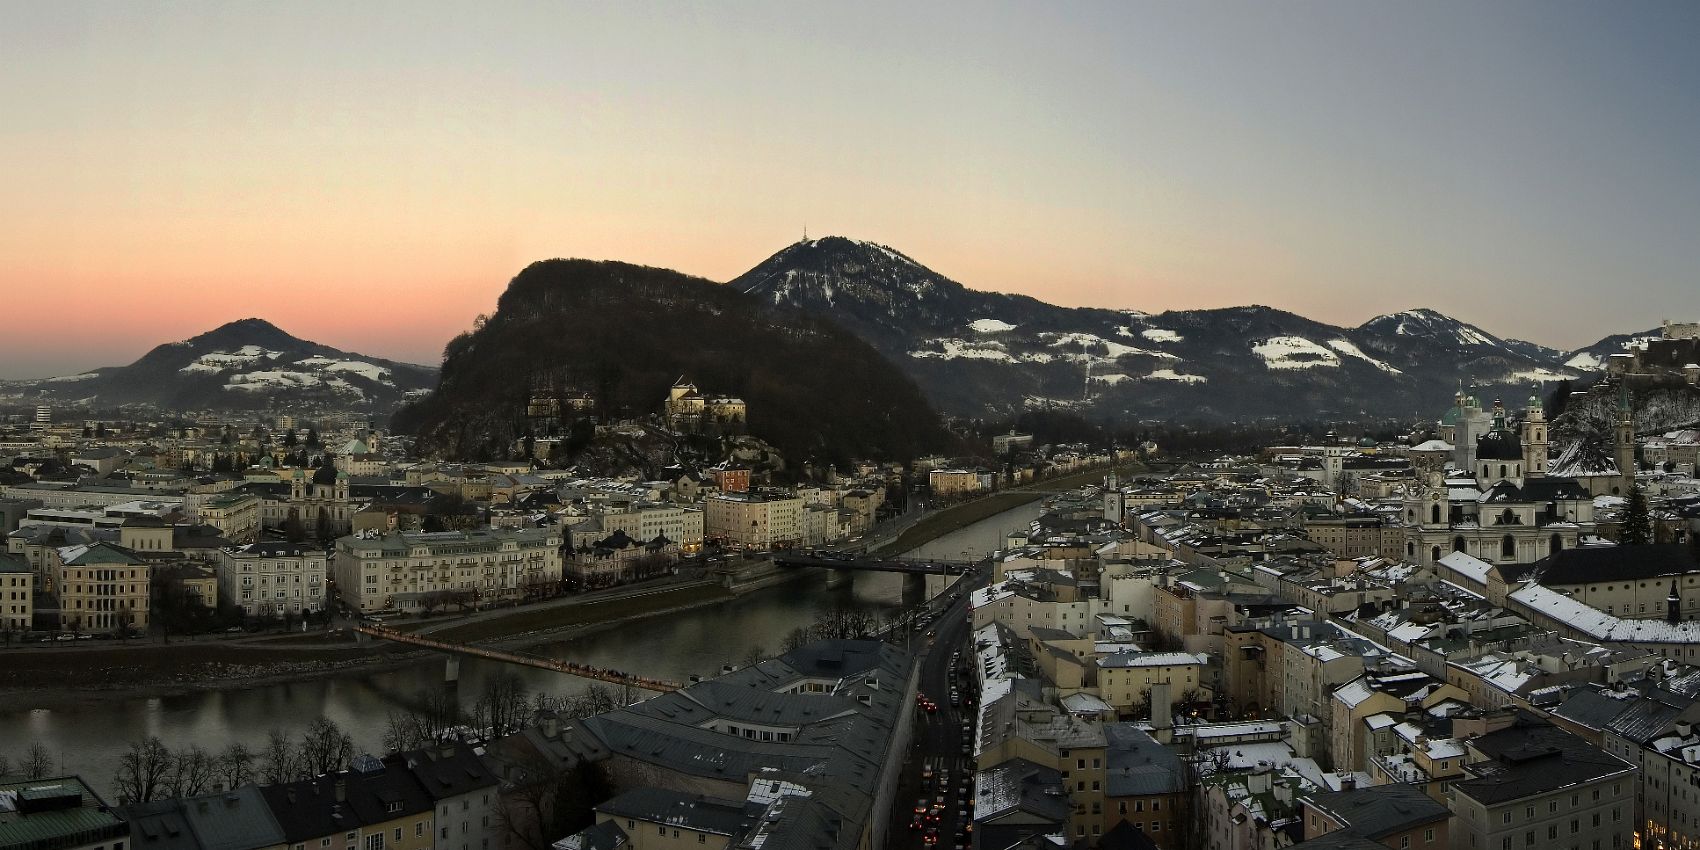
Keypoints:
(88, 739)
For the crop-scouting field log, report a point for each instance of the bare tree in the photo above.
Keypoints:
(279, 762)
(325, 748)
(144, 771)
(794, 639)
(235, 766)
(754, 655)
(504, 706)
(37, 763)
(193, 772)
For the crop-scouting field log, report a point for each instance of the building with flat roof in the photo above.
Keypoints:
(58, 814)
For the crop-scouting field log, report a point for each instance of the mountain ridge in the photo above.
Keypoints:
(985, 354)
(242, 364)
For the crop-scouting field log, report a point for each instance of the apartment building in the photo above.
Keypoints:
(757, 520)
(17, 594)
(649, 520)
(1533, 785)
(274, 577)
(101, 587)
(397, 570)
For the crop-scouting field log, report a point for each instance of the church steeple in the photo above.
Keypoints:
(1534, 437)
(1624, 443)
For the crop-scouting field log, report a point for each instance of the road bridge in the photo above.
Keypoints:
(874, 563)
(583, 671)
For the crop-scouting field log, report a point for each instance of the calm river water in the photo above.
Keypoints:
(89, 740)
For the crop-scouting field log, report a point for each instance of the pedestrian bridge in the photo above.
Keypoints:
(583, 671)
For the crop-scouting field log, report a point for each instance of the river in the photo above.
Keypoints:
(88, 741)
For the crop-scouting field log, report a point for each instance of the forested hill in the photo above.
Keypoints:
(625, 333)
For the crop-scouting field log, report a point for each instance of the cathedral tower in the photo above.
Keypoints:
(1534, 438)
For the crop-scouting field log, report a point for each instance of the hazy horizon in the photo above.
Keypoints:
(371, 176)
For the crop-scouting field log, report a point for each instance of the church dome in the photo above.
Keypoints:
(1499, 445)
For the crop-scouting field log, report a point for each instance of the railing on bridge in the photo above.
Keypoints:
(581, 670)
(842, 561)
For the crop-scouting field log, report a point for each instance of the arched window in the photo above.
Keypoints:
(1508, 547)
(1410, 550)
(1434, 554)
(1434, 513)
(1458, 543)
(1502, 470)
(1556, 544)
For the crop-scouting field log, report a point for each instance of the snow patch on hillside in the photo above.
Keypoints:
(961, 349)
(990, 326)
(63, 379)
(1586, 361)
(1345, 346)
(1172, 375)
(1294, 352)
(1112, 378)
(1536, 376)
(1113, 350)
(1160, 335)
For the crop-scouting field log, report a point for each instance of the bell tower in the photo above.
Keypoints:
(1534, 438)
(1624, 443)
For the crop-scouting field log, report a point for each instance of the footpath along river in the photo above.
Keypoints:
(88, 740)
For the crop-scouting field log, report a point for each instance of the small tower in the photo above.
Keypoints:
(298, 485)
(1673, 605)
(1624, 443)
(1534, 438)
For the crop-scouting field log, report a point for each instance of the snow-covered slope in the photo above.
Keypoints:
(983, 353)
(244, 364)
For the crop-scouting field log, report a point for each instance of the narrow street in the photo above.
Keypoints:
(940, 737)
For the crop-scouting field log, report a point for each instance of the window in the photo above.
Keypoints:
(1404, 842)
(1428, 835)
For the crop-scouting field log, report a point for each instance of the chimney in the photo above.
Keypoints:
(551, 726)
(1684, 728)
(1162, 717)
(341, 790)
(1348, 782)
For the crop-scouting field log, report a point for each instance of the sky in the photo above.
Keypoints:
(370, 175)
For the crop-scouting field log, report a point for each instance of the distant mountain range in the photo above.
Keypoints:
(988, 354)
(972, 353)
(246, 364)
(625, 334)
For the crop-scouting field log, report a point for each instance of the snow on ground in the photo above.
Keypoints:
(1536, 376)
(68, 378)
(1586, 362)
(1345, 346)
(1115, 349)
(960, 349)
(1294, 352)
(990, 326)
(1172, 375)
(370, 371)
(218, 361)
(1160, 335)
(1110, 379)
(270, 379)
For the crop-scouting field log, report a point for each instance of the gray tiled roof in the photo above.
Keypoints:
(1380, 810)
(1137, 765)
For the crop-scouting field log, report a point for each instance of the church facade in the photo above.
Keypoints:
(1492, 495)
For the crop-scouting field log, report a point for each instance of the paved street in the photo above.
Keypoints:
(939, 737)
